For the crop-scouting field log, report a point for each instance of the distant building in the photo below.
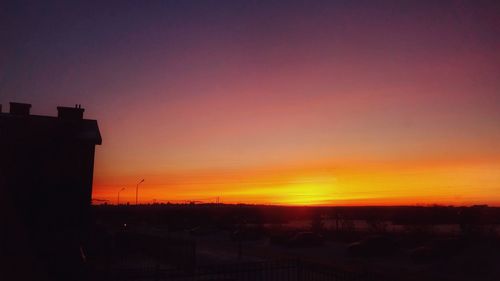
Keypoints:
(46, 172)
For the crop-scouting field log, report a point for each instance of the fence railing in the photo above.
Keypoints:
(288, 270)
(178, 253)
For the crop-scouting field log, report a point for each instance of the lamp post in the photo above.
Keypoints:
(137, 192)
(118, 199)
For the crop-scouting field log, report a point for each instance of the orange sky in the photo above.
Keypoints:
(457, 182)
(272, 102)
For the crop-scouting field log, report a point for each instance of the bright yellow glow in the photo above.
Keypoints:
(399, 183)
(305, 191)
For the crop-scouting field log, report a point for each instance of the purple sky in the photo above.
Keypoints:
(185, 87)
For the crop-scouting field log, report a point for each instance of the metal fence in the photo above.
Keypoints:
(291, 270)
(178, 253)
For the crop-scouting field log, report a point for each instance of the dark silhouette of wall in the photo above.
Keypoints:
(46, 172)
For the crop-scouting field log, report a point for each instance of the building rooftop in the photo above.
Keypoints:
(19, 125)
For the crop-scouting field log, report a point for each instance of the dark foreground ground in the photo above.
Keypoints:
(294, 243)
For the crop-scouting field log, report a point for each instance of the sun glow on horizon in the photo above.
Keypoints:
(271, 102)
(452, 183)
(304, 191)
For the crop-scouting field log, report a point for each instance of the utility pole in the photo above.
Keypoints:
(137, 192)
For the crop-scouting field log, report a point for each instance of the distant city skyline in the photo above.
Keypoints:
(271, 102)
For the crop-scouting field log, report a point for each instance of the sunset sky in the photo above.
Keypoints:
(272, 102)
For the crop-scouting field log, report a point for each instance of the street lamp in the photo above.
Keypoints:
(118, 199)
(137, 191)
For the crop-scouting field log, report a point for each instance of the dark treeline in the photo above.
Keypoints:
(186, 215)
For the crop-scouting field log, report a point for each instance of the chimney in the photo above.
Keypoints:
(17, 108)
(70, 113)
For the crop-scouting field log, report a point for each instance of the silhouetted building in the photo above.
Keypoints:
(46, 172)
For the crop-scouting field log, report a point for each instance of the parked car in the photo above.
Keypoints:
(436, 249)
(202, 230)
(372, 246)
(280, 237)
(248, 234)
(306, 239)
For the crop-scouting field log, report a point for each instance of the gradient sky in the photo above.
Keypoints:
(274, 102)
